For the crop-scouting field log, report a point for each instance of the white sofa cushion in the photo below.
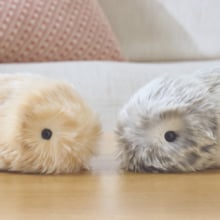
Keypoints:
(107, 85)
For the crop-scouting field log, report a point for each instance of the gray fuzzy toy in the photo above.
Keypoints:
(171, 125)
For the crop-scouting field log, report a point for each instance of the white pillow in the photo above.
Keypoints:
(158, 30)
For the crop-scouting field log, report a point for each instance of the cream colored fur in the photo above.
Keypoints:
(29, 104)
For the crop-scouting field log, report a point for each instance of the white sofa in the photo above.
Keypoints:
(107, 85)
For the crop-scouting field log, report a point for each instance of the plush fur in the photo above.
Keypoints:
(187, 105)
(28, 104)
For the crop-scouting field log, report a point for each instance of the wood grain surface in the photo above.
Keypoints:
(107, 193)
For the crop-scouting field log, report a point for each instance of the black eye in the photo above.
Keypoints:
(46, 133)
(170, 136)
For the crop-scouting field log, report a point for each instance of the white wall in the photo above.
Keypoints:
(158, 30)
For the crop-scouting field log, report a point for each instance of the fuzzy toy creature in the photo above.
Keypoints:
(172, 125)
(46, 127)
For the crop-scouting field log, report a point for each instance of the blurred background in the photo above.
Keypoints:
(108, 49)
(165, 30)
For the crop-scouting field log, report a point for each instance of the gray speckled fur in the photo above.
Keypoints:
(188, 105)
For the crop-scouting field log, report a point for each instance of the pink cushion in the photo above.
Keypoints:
(55, 30)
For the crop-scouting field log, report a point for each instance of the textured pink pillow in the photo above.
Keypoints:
(55, 30)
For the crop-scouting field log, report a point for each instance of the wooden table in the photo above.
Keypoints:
(106, 193)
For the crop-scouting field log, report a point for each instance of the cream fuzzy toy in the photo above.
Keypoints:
(172, 124)
(46, 127)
